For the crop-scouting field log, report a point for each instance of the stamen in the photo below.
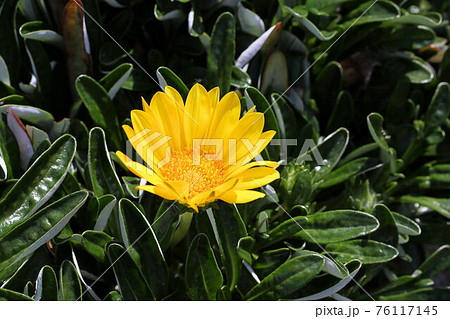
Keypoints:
(204, 177)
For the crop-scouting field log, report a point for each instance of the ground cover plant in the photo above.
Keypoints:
(352, 200)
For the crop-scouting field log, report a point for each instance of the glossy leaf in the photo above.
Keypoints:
(140, 240)
(165, 223)
(131, 281)
(10, 295)
(221, 52)
(440, 205)
(229, 228)
(95, 242)
(38, 183)
(203, 276)
(46, 285)
(20, 242)
(70, 284)
(288, 278)
(102, 174)
(367, 251)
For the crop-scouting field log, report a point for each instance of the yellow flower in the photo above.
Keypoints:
(199, 151)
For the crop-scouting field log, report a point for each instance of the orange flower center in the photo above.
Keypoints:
(201, 174)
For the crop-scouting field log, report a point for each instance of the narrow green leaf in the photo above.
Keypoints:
(269, 260)
(440, 205)
(10, 295)
(324, 157)
(165, 223)
(94, 242)
(100, 107)
(113, 81)
(34, 30)
(367, 251)
(439, 109)
(221, 52)
(438, 262)
(20, 242)
(424, 294)
(230, 228)
(38, 183)
(406, 225)
(140, 240)
(101, 171)
(288, 278)
(202, 274)
(70, 283)
(46, 285)
(167, 77)
(131, 281)
(344, 172)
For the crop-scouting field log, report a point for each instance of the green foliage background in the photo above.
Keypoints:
(367, 83)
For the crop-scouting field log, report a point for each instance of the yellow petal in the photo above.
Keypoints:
(245, 155)
(139, 169)
(241, 196)
(197, 119)
(257, 177)
(159, 190)
(235, 170)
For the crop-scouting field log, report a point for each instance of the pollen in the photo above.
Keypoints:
(203, 174)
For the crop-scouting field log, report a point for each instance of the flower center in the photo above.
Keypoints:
(201, 174)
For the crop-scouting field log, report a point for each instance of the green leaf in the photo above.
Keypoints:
(113, 81)
(37, 230)
(38, 183)
(324, 286)
(140, 240)
(10, 53)
(438, 262)
(34, 30)
(70, 283)
(269, 260)
(167, 77)
(300, 16)
(367, 251)
(202, 274)
(101, 171)
(334, 226)
(106, 203)
(330, 151)
(46, 285)
(288, 278)
(375, 123)
(31, 114)
(100, 107)
(424, 294)
(131, 281)
(239, 78)
(325, 227)
(387, 232)
(372, 11)
(228, 228)
(9, 295)
(405, 225)
(344, 172)
(221, 52)
(94, 242)
(165, 223)
(440, 205)
(439, 109)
